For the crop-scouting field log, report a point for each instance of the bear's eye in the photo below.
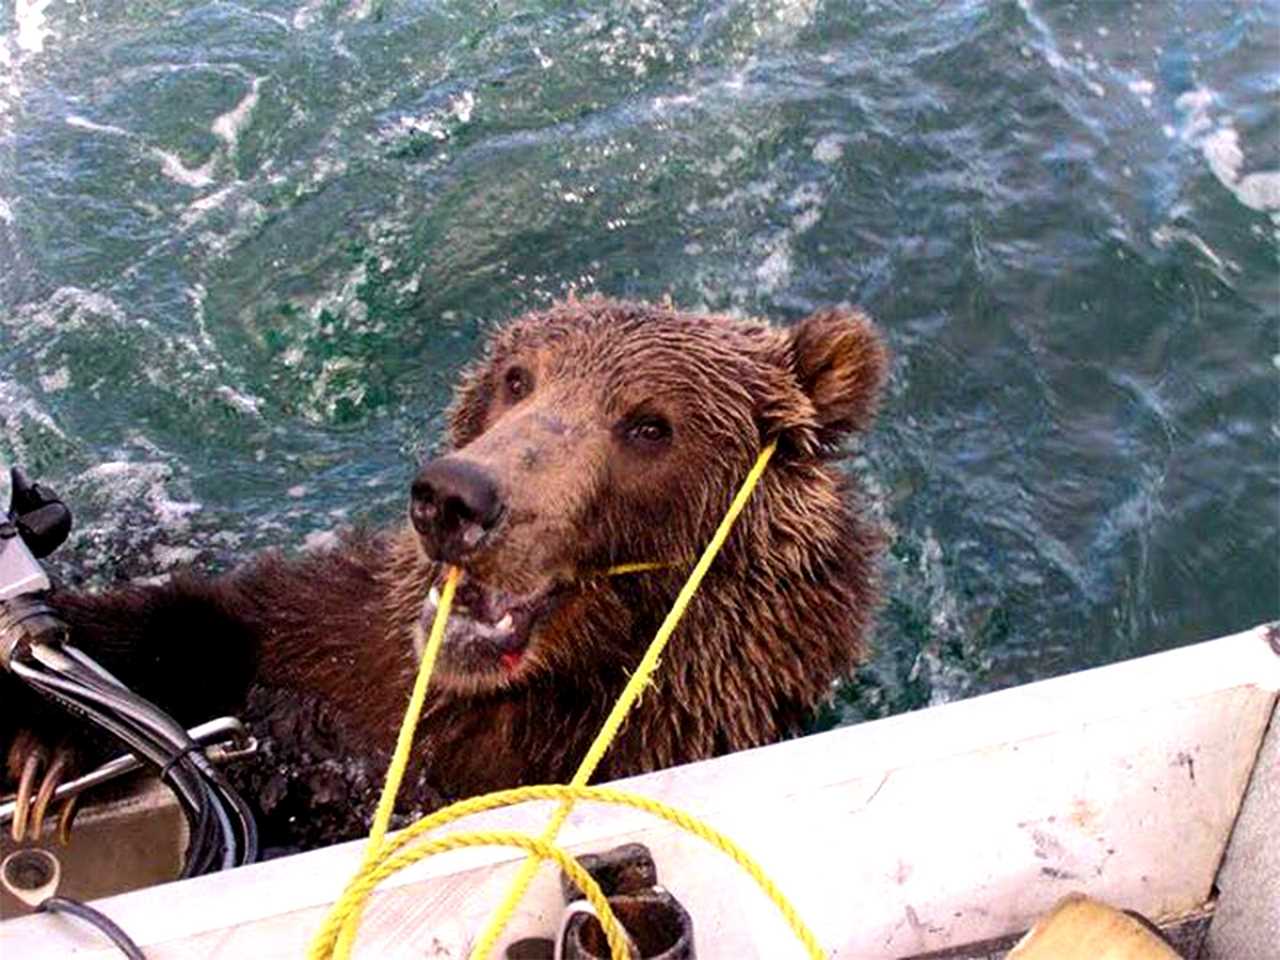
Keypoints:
(648, 432)
(519, 383)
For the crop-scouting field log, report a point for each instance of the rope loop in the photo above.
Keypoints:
(384, 857)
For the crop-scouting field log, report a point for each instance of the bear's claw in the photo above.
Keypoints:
(67, 816)
(38, 774)
(26, 760)
(52, 778)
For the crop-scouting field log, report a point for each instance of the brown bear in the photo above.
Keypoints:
(591, 434)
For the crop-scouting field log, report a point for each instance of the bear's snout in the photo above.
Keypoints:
(454, 504)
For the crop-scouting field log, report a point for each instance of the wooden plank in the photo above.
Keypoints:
(953, 825)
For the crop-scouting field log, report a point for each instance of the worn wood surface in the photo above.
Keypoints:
(953, 825)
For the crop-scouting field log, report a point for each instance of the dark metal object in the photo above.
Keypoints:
(222, 832)
(31, 875)
(659, 928)
(224, 740)
(25, 620)
(625, 869)
(39, 514)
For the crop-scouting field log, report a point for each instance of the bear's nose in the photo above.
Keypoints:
(454, 504)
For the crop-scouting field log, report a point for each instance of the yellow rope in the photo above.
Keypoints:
(400, 757)
(636, 568)
(635, 686)
(328, 941)
(336, 937)
(360, 886)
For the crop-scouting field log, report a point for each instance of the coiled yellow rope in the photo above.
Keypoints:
(337, 935)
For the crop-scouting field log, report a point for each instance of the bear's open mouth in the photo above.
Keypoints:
(488, 625)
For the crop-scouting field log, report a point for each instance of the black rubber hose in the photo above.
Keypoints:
(105, 925)
(222, 831)
(191, 790)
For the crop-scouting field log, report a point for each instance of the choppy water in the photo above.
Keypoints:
(244, 247)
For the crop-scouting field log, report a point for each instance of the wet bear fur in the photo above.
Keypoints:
(325, 639)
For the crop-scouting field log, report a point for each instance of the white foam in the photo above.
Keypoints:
(463, 105)
(175, 169)
(242, 402)
(6, 211)
(305, 15)
(439, 124)
(1260, 191)
(174, 514)
(1221, 149)
(1142, 88)
(320, 540)
(805, 219)
(74, 120)
(829, 149)
(806, 201)
(166, 556)
(124, 481)
(324, 169)
(32, 30)
(68, 308)
(776, 269)
(1166, 234)
(60, 379)
(19, 411)
(228, 126)
(1195, 104)
(340, 380)
(1219, 143)
(790, 15)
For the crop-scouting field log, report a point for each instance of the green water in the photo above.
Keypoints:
(244, 247)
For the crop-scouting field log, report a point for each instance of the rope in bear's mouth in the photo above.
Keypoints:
(384, 857)
(491, 624)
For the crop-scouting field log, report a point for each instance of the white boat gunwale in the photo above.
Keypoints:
(921, 832)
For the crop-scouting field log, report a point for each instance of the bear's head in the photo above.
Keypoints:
(598, 433)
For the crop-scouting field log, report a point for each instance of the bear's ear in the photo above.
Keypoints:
(841, 362)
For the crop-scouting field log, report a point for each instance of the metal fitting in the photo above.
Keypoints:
(31, 874)
(24, 620)
(658, 927)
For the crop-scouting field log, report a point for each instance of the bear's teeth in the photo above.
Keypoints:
(434, 596)
(506, 623)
